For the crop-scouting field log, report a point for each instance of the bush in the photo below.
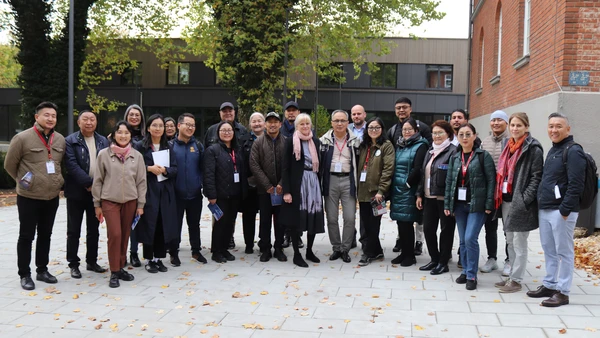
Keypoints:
(6, 182)
(322, 120)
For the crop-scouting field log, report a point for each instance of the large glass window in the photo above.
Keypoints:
(132, 76)
(385, 76)
(439, 77)
(179, 74)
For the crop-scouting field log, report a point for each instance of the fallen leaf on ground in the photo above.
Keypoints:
(346, 320)
(264, 293)
(419, 328)
(164, 286)
(77, 310)
(562, 331)
(98, 327)
(104, 320)
(591, 329)
(18, 325)
(497, 301)
(203, 331)
(75, 296)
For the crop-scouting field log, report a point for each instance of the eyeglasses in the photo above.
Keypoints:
(374, 128)
(402, 107)
(441, 133)
(226, 131)
(467, 135)
(339, 121)
(189, 125)
(407, 130)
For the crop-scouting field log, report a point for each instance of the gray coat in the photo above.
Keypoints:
(523, 214)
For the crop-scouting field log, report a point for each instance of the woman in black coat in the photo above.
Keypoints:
(303, 207)
(157, 227)
(225, 184)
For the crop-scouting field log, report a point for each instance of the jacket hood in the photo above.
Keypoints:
(352, 139)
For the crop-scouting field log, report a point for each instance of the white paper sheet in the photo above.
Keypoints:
(161, 158)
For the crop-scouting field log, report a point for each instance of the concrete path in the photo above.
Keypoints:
(247, 298)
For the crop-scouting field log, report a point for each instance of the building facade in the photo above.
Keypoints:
(538, 57)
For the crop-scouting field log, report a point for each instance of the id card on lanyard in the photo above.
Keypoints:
(462, 190)
(363, 173)
(338, 166)
(50, 169)
(236, 175)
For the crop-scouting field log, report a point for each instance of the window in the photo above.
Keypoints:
(439, 77)
(385, 76)
(334, 78)
(526, 27)
(499, 42)
(178, 74)
(132, 76)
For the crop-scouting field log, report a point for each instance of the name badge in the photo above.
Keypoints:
(428, 183)
(192, 150)
(557, 192)
(363, 176)
(505, 187)
(337, 168)
(462, 194)
(50, 167)
(378, 152)
(236, 177)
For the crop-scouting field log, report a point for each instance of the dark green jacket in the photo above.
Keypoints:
(481, 183)
(403, 202)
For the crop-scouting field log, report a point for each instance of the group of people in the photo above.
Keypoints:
(147, 174)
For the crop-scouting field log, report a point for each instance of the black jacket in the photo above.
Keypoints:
(77, 164)
(211, 137)
(438, 172)
(219, 170)
(569, 178)
(395, 132)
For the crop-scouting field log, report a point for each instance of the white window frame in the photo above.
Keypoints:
(526, 27)
(482, 59)
(448, 78)
(499, 42)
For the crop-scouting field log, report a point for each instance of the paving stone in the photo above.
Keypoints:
(487, 307)
(503, 332)
(314, 325)
(581, 322)
(444, 330)
(459, 318)
(575, 333)
(525, 320)
(437, 305)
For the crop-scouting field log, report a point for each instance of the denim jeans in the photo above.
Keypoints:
(469, 225)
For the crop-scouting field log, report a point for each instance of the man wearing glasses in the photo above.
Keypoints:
(339, 147)
(188, 186)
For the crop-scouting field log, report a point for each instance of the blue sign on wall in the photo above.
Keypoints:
(579, 78)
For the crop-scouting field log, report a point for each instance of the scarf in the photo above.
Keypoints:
(405, 142)
(311, 145)
(121, 152)
(506, 167)
(436, 150)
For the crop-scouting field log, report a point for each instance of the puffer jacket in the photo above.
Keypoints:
(219, 170)
(481, 183)
(523, 213)
(495, 144)
(437, 173)
(406, 171)
(266, 160)
(379, 171)
(327, 146)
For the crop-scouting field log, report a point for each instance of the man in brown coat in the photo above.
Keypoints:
(33, 160)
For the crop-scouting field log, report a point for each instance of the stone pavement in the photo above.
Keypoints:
(247, 298)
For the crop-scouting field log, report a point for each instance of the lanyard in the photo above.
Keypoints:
(44, 142)
(233, 159)
(341, 149)
(465, 167)
(367, 160)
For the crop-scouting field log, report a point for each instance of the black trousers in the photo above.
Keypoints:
(249, 210)
(223, 228)
(370, 226)
(75, 210)
(133, 243)
(268, 213)
(433, 212)
(34, 215)
(193, 212)
(158, 248)
(491, 236)
(407, 238)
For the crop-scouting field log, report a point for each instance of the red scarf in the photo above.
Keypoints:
(506, 167)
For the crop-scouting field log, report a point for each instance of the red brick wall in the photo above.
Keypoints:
(563, 37)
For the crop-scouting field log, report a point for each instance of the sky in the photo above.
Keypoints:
(454, 25)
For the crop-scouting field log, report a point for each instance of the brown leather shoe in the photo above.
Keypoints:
(510, 287)
(541, 292)
(556, 300)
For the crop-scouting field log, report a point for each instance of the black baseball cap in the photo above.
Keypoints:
(273, 114)
(291, 104)
(226, 104)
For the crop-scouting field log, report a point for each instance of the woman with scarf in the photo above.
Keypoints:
(303, 207)
(519, 174)
(119, 192)
(430, 198)
(410, 152)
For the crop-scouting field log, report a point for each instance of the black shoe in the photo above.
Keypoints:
(299, 261)
(114, 280)
(27, 283)
(462, 279)
(46, 277)
(265, 256)
(439, 269)
(124, 275)
(418, 248)
(231, 244)
(300, 243)
(335, 255)
(311, 256)
(408, 261)
(161, 266)
(346, 257)
(135, 260)
(398, 259)
(75, 273)
(95, 267)
(364, 260)
(198, 256)
(278, 253)
(228, 256)
(541, 292)
(286, 241)
(471, 284)
(354, 244)
(219, 258)
(249, 250)
(429, 266)
(175, 261)
(397, 247)
(151, 267)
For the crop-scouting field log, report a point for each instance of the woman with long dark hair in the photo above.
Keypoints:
(225, 185)
(158, 227)
(375, 168)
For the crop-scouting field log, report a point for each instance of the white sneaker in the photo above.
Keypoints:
(489, 266)
(506, 270)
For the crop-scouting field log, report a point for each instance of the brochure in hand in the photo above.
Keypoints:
(379, 208)
(136, 219)
(276, 199)
(216, 211)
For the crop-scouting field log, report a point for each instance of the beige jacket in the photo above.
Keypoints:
(119, 182)
(27, 153)
(495, 144)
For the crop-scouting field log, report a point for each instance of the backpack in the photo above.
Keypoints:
(590, 186)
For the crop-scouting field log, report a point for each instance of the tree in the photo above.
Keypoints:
(9, 65)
